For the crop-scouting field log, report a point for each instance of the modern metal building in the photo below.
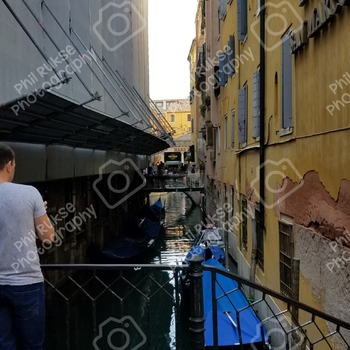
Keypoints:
(75, 107)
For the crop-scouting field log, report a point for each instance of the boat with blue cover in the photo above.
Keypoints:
(237, 324)
(232, 321)
(137, 245)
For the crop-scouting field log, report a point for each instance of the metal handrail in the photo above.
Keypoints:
(94, 286)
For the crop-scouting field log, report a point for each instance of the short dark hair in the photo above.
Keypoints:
(6, 155)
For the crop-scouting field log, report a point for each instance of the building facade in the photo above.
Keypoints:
(276, 135)
(178, 115)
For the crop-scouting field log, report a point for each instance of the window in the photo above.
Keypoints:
(259, 239)
(242, 114)
(256, 104)
(217, 81)
(232, 201)
(218, 140)
(231, 56)
(192, 96)
(222, 9)
(219, 22)
(286, 252)
(233, 120)
(223, 68)
(286, 83)
(225, 132)
(192, 126)
(188, 117)
(210, 136)
(242, 15)
(244, 224)
(172, 118)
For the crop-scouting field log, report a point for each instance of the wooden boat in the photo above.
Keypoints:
(138, 246)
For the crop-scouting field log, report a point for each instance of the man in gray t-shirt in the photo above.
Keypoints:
(23, 218)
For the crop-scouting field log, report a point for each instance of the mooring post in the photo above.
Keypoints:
(197, 311)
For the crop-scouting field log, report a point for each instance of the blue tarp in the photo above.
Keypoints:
(230, 300)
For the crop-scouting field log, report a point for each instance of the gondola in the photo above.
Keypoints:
(235, 322)
(137, 246)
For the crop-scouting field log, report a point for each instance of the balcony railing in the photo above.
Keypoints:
(140, 307)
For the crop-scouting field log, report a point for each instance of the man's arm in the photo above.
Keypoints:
(44, 228)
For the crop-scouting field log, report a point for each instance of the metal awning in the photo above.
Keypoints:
(55, 120)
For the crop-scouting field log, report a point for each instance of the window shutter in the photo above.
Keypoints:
(233, 117)
(242, 114)
(231, 56)
(222, 9)
(256, 104)
(223, 68)
(242, 19)
(286, 84)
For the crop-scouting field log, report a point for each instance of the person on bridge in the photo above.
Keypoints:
(22, 218)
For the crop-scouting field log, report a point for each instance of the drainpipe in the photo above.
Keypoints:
(253, 257)
(261, 219)
(262, 117)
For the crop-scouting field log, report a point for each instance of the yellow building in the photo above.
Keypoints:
(277, 147)
(178, 116)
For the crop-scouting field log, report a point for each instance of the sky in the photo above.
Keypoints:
(171, 29)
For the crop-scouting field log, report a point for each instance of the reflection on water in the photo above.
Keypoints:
(180, 219)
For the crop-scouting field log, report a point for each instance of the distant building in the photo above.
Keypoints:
(178, 115)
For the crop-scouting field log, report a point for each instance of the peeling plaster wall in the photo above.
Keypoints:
(324, 272)
(312, 206)
(321, 235)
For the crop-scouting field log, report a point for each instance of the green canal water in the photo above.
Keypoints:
(128, 310)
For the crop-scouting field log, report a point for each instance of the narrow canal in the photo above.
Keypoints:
(133, 309)
(181, 218)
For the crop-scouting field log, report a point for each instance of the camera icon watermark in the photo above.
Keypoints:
(278, 336)
(274, 176)
(118, 20)
(123, 181)
(278, 18)
(119, 334)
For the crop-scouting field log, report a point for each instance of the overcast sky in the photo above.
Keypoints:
(171, 31)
